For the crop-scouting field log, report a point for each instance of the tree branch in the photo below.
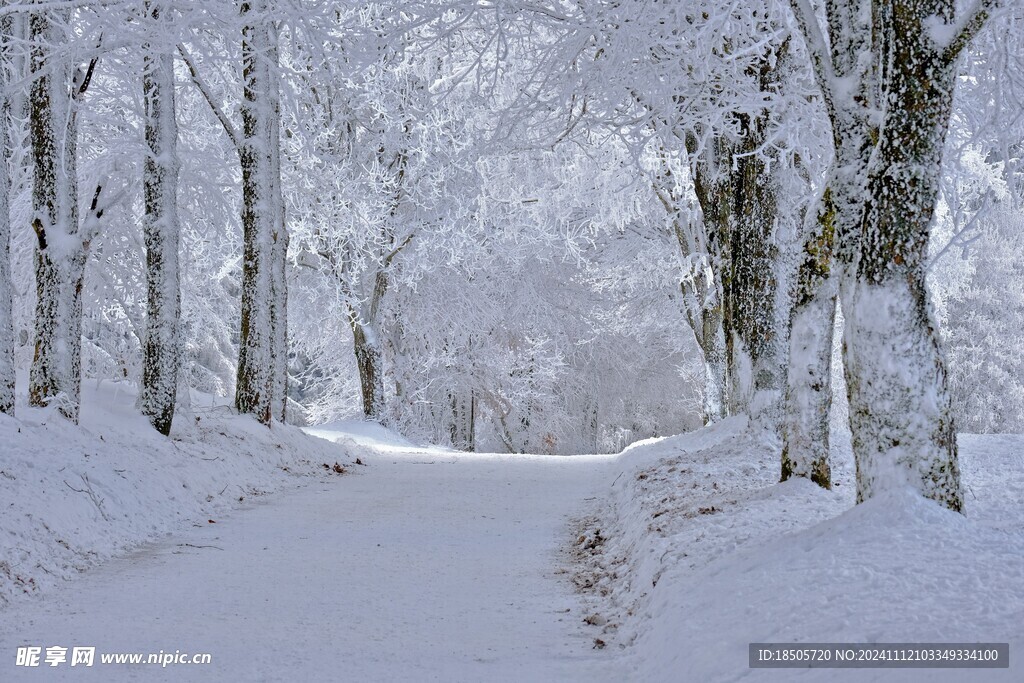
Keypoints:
(56, 5)
(814, 39)
(397, 250)
(208, 96)
(94, 219)
(972, 24)
(86, 80)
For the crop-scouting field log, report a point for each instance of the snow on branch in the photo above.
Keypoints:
(97, 207)
(824, 70)
(961, 34)
(204, 89)
(57, 5)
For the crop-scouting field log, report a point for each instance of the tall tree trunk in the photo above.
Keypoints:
(701, 290)
(162, 350)
(7, 370)
(369, 342)
(884, 190)
(713, 187)
(831, 245)
(830, 248)
(262, 360)
(740, 334)
(737, 194)
(900, 409)
(751, 302)
(279, 305)
(55, 375)
(805, 433)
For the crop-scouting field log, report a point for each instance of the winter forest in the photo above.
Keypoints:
(765, 258)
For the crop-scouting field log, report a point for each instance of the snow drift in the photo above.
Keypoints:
(74, 496)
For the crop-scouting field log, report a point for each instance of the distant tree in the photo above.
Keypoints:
(983, 340)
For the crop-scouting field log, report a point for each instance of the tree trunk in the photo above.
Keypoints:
(162, 350)
(888, 177)
(805, 434)
(701, 285)
(262, 358)
(751, 306)
(591, 427)
(900, 409)
(713, 187)
(700, 288)
(737, 195)
(716, 367)
(462, 428)
(6, 287)
(369, 360)
(830, 248)
(55, 375)
(279, 306)
(737, 199)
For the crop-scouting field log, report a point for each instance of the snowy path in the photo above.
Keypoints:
(420, 566)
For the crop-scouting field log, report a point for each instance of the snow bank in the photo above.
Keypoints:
(75, 496)
(699, 552)
(364, 434)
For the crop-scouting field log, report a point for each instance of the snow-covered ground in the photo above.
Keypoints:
(659, 564)
(699, 552)
(417, 564)
(73, 497)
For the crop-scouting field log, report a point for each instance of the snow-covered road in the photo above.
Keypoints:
(420, 566)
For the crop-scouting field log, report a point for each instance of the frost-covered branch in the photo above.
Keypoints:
(58, 5)
(207, 94)
(821, 58)
(964, 31)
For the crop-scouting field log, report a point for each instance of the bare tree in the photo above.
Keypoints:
(61, 243)
(162, 348)
(263, 353)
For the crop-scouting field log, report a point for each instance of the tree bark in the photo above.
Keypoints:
(737, 198)
(369, 361)
(884, 190)
(162, 350)
(263, 354)
(7, 368)
(463, 416)
(900, 408)
(832, 243)
(55, 376)
(751, 309)
(805, 433)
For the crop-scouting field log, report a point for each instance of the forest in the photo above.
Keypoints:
(520, 227)
(534, 227)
